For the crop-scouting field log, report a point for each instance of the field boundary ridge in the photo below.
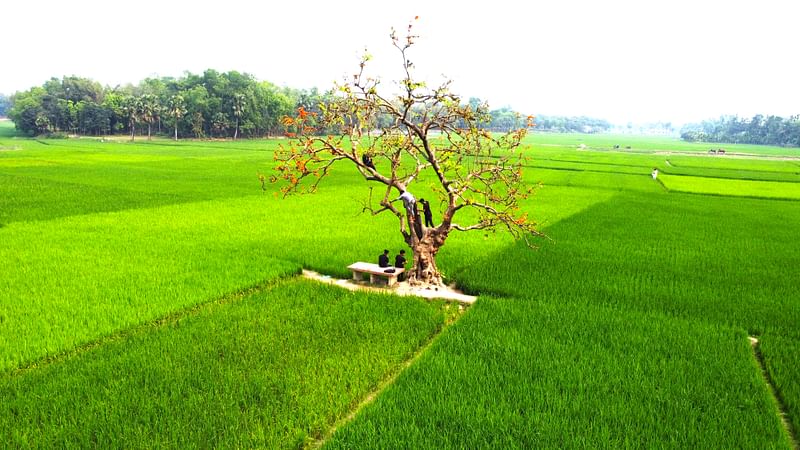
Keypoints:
(159, 322)
(787, 425)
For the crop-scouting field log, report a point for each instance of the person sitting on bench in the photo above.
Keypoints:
(400, 263)
(383, 260)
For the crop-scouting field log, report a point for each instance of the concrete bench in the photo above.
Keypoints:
(376, 273)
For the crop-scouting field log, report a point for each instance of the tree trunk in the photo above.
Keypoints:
(424, 248)
(148, 131)
(424, 270)
(236, 132)
(176, 131)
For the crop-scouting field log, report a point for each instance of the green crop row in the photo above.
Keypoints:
(781, 358)
(160, 226)
(70, 281)
(646, 144)
(732, 174)
(542, 373)
(725, 260)
(735, 188)
(273, 369)
(742, 164)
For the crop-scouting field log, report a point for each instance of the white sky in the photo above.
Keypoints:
(646, 60)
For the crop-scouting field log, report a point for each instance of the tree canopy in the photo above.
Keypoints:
(420, 139)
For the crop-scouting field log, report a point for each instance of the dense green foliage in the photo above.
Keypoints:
(770, 130)
(627, 328)
(209, 105)
(272, 369)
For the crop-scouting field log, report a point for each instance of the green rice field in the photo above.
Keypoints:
(150, 298)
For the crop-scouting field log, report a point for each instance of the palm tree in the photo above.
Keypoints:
(149, 111)
(132, 108)
(177, 108)
(238, 110)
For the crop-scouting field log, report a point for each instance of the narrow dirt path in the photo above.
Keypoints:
(370, 398)
(401, 288)
(787, 426)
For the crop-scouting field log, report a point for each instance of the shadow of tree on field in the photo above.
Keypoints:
(715, 259)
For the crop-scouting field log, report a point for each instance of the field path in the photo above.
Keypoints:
(778, 401)
(402, 289)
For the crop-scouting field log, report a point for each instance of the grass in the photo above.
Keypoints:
(648, 144)
(780, 354)
(272, 369)
(7, 129)
(70, 281)
(525, 373)
(735, 188)
(724, 260)
(25, 198)
(626, 329)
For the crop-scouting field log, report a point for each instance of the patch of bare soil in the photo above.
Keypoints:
(401, 288)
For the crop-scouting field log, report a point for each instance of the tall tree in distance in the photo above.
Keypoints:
(432, 142)
(177, 108)
(149, 111)
(132, 108)
(238, 110)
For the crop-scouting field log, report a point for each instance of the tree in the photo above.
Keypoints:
(26, 108)
(132, 108)
(149, 111)
(177, 108)
(433, 139)
(238, 110)
(219, 124)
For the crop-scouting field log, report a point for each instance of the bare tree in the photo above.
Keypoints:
(395, 141)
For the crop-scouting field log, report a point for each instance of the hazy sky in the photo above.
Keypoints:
(677, 60)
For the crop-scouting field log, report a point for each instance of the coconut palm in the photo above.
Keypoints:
(238, 110)
(177, 108)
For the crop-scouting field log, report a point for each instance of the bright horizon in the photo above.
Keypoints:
(624, 61)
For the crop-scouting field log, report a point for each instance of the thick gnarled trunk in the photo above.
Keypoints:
(424, 270)
(424, 247)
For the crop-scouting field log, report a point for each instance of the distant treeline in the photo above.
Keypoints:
(505, 119)
(563, 124)
(212, 104)
(769, 130)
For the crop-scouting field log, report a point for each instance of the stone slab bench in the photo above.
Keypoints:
(376, 273)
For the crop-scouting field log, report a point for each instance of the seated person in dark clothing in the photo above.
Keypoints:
(383, 260)
(400, 263)
(367, 160)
